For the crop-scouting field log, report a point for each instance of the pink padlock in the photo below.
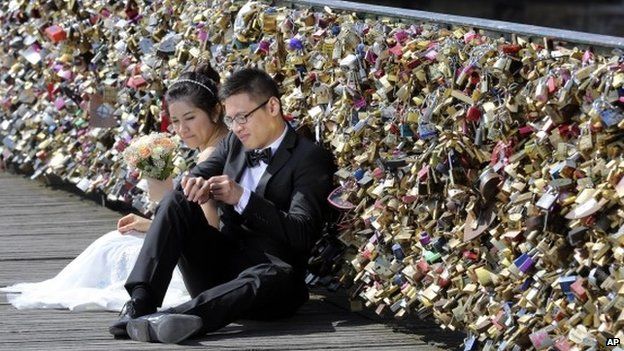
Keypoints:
(59, 103)
(431, 55)
(396, 50)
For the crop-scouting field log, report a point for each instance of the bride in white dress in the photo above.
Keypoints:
(95, 279)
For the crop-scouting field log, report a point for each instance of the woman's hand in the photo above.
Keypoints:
(221, 188)
(133, 222)
(196, 189)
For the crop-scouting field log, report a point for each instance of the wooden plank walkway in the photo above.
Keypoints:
(42, 229)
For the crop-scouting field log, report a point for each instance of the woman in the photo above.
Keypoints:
(95, 279)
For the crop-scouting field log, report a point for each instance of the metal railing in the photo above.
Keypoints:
(602, 43)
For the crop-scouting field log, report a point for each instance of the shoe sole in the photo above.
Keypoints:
(169, 329)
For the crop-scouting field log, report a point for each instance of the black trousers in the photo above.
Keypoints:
(226, 279)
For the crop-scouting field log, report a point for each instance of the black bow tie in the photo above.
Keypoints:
(253, 157)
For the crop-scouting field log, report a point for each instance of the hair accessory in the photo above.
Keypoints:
(194, 82)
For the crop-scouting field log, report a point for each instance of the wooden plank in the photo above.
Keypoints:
(17, 271)
(59, 230)
(292, 333)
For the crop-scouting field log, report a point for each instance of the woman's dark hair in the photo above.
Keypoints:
(198, 87)
(252, 81)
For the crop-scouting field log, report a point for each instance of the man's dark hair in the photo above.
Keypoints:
(251, 81)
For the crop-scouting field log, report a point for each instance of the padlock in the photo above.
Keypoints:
(56, 33)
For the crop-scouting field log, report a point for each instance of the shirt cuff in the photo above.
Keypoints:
(242, 202)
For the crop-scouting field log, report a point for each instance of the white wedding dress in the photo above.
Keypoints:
(94, 280)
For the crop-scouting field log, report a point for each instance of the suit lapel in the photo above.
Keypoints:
(282, 155)
(236, 165)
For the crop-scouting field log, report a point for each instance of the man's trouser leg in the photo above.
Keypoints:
(180, 234)
(268, 289)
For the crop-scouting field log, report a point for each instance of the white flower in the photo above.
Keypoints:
(152, 154)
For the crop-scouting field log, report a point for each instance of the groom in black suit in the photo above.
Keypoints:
(271, 186)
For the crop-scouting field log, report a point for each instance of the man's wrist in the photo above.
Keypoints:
(239, 190)
(243, 200)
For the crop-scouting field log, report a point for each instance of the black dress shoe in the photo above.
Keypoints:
(168, 328)
(132, 309)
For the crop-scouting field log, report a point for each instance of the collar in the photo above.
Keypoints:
(279, 140)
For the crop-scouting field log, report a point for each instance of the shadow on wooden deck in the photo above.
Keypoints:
(43, 228)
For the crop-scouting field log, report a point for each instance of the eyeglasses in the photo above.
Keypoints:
(242, 119)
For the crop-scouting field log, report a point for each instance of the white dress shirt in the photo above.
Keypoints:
(251, 175)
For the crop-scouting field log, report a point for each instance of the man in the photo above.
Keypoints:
(271, 186)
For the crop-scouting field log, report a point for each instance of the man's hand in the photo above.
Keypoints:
(196, 189)
(225, 189)
(222, 188)
(133, 222)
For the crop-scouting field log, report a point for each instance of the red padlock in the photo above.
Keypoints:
(394, 129)
(120, 145)
(136, 82)
(51, 89)
(443, 282)
(378, 173)
(474, 78)
(469, 255)
(165, 122)
(422, 266)
(578, 290)
(56, 33)
(94, 18)
(132, 9)
(131, 13)
(473, 114)
(413, 64)
(510, 49)
(408, 199)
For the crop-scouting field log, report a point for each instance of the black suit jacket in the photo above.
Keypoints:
(285, 213)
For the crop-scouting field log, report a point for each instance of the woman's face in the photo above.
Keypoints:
(192, 124)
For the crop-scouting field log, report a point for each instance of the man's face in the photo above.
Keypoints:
(263, 125)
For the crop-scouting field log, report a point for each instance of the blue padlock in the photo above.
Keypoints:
(397, 250)
(526, 284)
(611, 117)
(406, 131)
(399, 280)
(335, 29)
(295, 44)
(358, 174)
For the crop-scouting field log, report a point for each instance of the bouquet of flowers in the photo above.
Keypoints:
(152, 154)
